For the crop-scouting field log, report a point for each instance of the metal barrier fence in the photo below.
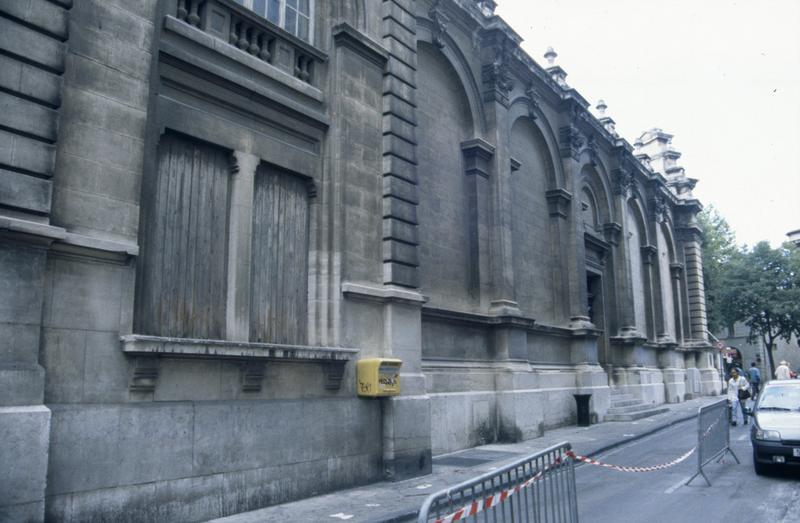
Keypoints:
(539, 488)
(713, 436)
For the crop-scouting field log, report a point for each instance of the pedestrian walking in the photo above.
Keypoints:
(738, 392)
(755, 379)
(782, 372)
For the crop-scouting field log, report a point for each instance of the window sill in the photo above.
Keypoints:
(148, 349)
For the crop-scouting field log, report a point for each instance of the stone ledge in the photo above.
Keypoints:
(382, 293)
(221, 349)
(147, 351)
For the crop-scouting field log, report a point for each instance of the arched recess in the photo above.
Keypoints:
(535, 253)
(666, 258)
(519, 109)
(444, 122)
(635, 242)
(462, 69)
(592, 185)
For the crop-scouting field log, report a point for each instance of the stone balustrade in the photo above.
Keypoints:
(253, 34)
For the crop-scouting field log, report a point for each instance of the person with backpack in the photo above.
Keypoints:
(755, 379)
(738, 393)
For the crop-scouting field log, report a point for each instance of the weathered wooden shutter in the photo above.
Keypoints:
(279, 264)
(182, 283)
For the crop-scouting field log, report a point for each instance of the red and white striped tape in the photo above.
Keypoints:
(492, 501)
(621, 468)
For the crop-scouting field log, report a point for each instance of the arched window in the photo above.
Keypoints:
(293, 15)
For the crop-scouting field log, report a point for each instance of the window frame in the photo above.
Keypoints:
(248, 4)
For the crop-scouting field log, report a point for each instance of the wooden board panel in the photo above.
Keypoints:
(279, 277)
(182, 284)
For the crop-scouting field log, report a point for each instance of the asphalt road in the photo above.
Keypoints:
(736, 494)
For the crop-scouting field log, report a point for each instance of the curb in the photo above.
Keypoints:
(408, 516)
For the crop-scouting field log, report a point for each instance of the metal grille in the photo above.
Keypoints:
(539, 488)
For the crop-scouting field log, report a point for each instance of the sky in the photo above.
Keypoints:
(723, 76)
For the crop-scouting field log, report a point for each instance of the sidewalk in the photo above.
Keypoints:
(399, 501)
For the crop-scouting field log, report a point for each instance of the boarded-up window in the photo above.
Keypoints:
(279, 265)
(182, 278)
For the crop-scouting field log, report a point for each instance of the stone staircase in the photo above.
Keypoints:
(626, 407)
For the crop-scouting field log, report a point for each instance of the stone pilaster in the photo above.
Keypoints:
(622, 180)
(237, 311)
(32, 93)
(400, 237)
(497, 83)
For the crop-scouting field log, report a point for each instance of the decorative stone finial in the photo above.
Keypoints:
(550, 56)
(601, 108)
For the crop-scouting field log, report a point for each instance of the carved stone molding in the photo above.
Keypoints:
(496, 75)
(622, 181)
(252, 376)
(145, 374)
(612, 232)
(534, 98)
(676, 270)
(649, 252)
(333, 372)
(659, 206)
(570, 142)
(558, 201)
(591, 146)
(515, 165)
(477, 155)
(440, 21)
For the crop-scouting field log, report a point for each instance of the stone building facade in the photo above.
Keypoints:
(210, 209)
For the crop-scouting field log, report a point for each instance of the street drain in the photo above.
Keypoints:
(472, 458)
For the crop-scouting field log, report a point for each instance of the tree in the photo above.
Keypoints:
(719, 246)
(761, 288)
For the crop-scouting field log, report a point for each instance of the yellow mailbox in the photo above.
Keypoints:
(376, 377)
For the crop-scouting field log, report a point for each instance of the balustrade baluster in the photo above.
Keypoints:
(264, 52)
(182, 12)
(253, 49)
(243, 43)
(194, 16)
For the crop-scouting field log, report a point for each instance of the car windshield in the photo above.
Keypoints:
(782, 398)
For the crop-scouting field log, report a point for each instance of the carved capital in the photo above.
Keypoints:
(622, 181)
(659, 206)
(496, 75)
(591, 146)
(534, 98)
(676, 270)
(570, 142)
(558, 201)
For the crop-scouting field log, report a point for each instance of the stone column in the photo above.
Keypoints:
(622, 179)
(497, 85)
(676, 273)
(237, 312)
(653, 324)
(477, 166)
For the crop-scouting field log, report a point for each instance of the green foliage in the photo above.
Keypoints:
(719, 246)
(761, 288)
